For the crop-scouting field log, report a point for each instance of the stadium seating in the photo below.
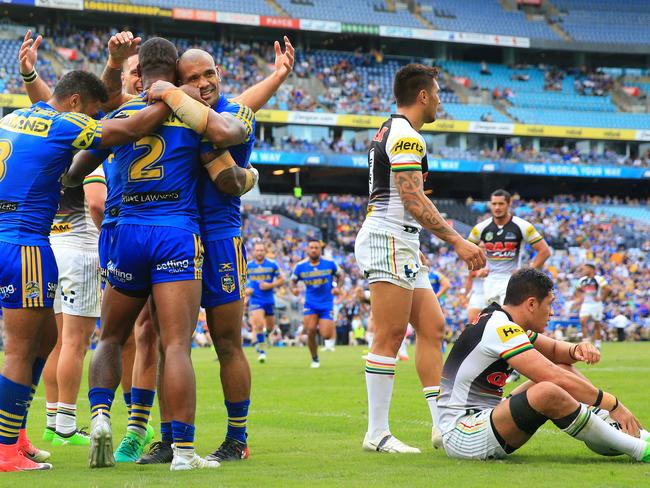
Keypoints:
(373, 12)
(459, 111)
(581, 118)
(483, 16)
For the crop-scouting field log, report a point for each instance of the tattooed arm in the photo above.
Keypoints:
(410, 187)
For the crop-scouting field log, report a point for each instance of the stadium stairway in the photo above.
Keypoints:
(276, 6)
(552, 12)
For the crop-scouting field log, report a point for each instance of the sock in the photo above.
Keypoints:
(37, 371)
(431, 394)
(141, 403)
(598, 343)
(66, 419)
(370, 336)
(101, 400)
(14, 399)
(183, 436)
(127, 401)
(380, 373)
(315, 358)
(585, 426)
(166, 431)
(330, 343)
(50, 409)
(237, 415)
(402, 349)
(644, 435)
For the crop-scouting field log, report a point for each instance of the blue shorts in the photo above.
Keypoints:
(269, 308)
(224, 272)
(324, 312)
(143, 255)
(28, 276)
(105, 239)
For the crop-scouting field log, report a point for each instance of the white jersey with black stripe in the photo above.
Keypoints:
(396, 147)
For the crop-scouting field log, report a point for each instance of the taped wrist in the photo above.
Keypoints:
(526, 417)
(252, 177)
(190, 111)
(219, 164)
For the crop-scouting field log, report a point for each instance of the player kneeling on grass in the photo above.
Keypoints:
(477, 424)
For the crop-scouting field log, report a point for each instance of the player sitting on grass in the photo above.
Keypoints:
(477, 424)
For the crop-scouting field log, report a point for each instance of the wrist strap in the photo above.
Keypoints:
(572, 351)
(615, 405)
(599, 398)
(30, 77)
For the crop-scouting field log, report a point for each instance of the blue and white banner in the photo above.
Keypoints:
(286, 158)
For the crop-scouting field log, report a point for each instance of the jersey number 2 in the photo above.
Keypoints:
(146, 166)
(5, 151)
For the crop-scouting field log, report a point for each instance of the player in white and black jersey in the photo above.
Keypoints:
(590, 293)
(74, 237)
(387, 251)
(504, 236)
(478, 424)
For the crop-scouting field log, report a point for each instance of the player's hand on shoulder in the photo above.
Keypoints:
(470, 253)
(626, 419)
(193, 92)
(158, 90)
(122, 46)
(28, 53)
(587, 353)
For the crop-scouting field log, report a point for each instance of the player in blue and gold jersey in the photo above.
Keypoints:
(320, 277)
(36, 148)
(264, 275)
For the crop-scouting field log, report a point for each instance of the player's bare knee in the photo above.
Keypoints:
(548, 398)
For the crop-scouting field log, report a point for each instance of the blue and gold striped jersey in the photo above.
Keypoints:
(266, 271)
(318, 279)
(220, 213)
(159, 173)
(36, 148)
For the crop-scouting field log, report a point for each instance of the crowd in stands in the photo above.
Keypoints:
(576, 232)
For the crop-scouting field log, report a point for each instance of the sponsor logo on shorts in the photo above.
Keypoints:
(174, 265)
(507, 332)
(228, 283)
(411, 270)
(61, 228)
(51, 290)
(68, 296)
(6, 207)
(7, 291)
(226, 268)
(118, 274)
(32, 290)
(151, 197)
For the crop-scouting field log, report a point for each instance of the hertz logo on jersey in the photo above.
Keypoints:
(408, 145)
(34, 126)
(61, 228)
(507, 332)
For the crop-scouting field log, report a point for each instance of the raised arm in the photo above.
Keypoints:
(37, 89)
(259, 94)
(121, 47)
(410, 186)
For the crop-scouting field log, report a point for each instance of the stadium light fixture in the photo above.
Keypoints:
(278, 172)
(294, 170)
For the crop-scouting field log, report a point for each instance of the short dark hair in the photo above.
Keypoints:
(501, 193)
(410, 80)
(526, 283)
(157, 56)
(87, 85)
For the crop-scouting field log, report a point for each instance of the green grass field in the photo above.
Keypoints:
(306, 428)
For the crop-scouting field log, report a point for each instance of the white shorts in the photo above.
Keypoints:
(477, 300)
(473, 438)
(495, 289)
(79, 291)
(383, 256)
(422, 279)
(593, 310)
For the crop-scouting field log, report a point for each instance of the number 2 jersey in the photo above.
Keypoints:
(503, 245)
(221, 213)
(476, 369)
(396, 147)
(36, 147)
(159, 173)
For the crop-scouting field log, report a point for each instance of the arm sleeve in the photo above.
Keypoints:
(245, 115)
(96, 176)
(295, 274)
(406, 151)
(276, 269)
(505, 339)
(474, 235)
(531, 235)
(80, 131)
(601, 281)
